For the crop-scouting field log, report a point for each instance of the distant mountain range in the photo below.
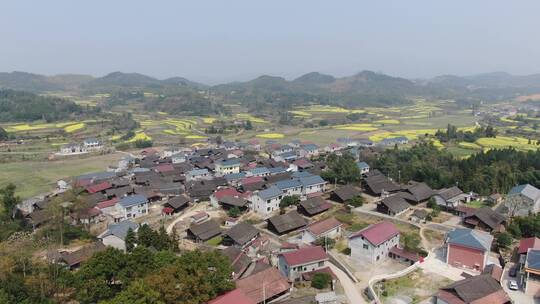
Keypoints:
(366, 86)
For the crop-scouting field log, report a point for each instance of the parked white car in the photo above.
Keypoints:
(513, 285)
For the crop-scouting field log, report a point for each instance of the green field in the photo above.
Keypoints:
(32, 178)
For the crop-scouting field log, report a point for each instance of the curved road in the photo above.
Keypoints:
(352, 293)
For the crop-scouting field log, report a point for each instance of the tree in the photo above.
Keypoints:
(356, 201)
(504, 240)
(143, 143)
(321, 280)
(411, 241)
(9, 200)
(234, 212)
(3, 134)
(249, 125)
(289, 201)
(342, 169)
(130, 240)
(325, 242)
(137, 293)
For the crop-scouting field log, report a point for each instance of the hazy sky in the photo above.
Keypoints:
(226, 40)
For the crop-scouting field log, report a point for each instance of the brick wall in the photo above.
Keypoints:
(460, 256)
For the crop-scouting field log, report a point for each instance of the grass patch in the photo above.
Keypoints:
(215, 241)
(388, 121)
(475, 204)
(246, 116)
(357, 127)
(501, 142)
(139, 136)
(209, 120)
(196, 137)
(469, 145)
(410, 134)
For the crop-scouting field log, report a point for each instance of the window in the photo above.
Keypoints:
(321, 264)
(365, 246)
(377, 258)
(268, 209)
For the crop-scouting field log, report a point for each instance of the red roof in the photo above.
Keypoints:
(83, 182)
(235, 296)
(305, 255)
(323, 226)
(253, 142)
(109, 203)
(271, 279)
(251, 180)
(378, 233)
(221, 193)
(525, 244)
(164, 168)
(168, 210)
(405, 254)
(98, 187)
(302, 163)
(309, 275)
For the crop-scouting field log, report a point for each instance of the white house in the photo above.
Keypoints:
(73, 149)
(290, 187)
(522, 200)
(328, 228)
(115, 234)
(312, 184)
(266, 201)
(293, 264)
(227, 166)
(132, 206)
(308, 150)
(198, 174)
(373, 243)
(92, 144)
(178, 158)
(363, 167)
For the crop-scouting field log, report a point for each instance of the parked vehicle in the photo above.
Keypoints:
(513, 285)
(513, 271)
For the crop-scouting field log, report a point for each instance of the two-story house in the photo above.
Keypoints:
(312, 184)
(293, 264)
(327, 228)
(290, 187)
(468, 248)
(115, 234)
(372, 244)
(266, 201)
(522, 200)
(132, 206)
(227, 166)
(198, 174)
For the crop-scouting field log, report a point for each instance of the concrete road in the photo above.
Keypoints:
(353, 294)
(517, 296)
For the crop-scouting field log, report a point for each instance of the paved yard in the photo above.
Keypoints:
(517, 296)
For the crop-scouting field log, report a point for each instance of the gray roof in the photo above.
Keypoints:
(120, 229)
(475, 288)
(420, 191)
(526, 190)
(277, 170)
(299, 174)
(395, 203)
(489, 217)
(449, 193)
(234, 176)
(206, 230)
(97, 175)
(242, 233)
(198, 172)
(470, 238)
(288, 184)
(270, 193)
(233, 162)
(287, 222)
(133, 200)
(362, 165)
(311, 180)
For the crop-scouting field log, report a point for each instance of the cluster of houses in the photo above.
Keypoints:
(252, 177)
(88, 145)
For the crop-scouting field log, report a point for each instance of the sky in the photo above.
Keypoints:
(222, 41)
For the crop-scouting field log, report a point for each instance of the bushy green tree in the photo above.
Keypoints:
(321, 280)
(341, 168)
(504, 239)
(289, 201)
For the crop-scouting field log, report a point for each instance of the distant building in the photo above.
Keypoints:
(363, 167)
(73, 149)
(401, 140)
(477, 289)
(522, 200)
(132, 206)
(327, 228)
(115, 234)
(92, 144)
(198, 174)
(266, 201)
(227, 166)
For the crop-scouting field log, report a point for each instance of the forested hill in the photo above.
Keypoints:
(24, 106)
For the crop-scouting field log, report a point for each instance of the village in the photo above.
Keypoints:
(292, 236)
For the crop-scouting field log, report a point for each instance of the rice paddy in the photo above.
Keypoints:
(270, 135)
(501, 142)
(469, 145)
(246, 116)
(196, 137)
(140, 135)
(357, 127)
(388, 121)
(209, 120)
(300, 113)
(410, 134)
(74, 127)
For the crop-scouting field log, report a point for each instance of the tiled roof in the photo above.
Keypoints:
(378, 233)
(311, 180)
(533, 259)
(98, 187)
(526, 190)
(133, 200)
(259, 171)
(315, 205)
(322, 226)
(120, 229)
(108, 203)
(235, 296)
(270, 193)
(305, 255)
(287, 222)
(470, 238)
(288, 184)
(525, 244)
(274, 284)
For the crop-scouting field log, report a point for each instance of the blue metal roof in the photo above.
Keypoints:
(288, 155)
(230, 162)
(133, 200)
(270, 193)
(96, 175)
(198, 172)
(310, 147)
(288, 184)
(470, 238)
(299, 174)
(259, 170)
(311, 180)
(120, 229)
(277, 170)
(533, 259)
(362, 165)
(235, 176)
